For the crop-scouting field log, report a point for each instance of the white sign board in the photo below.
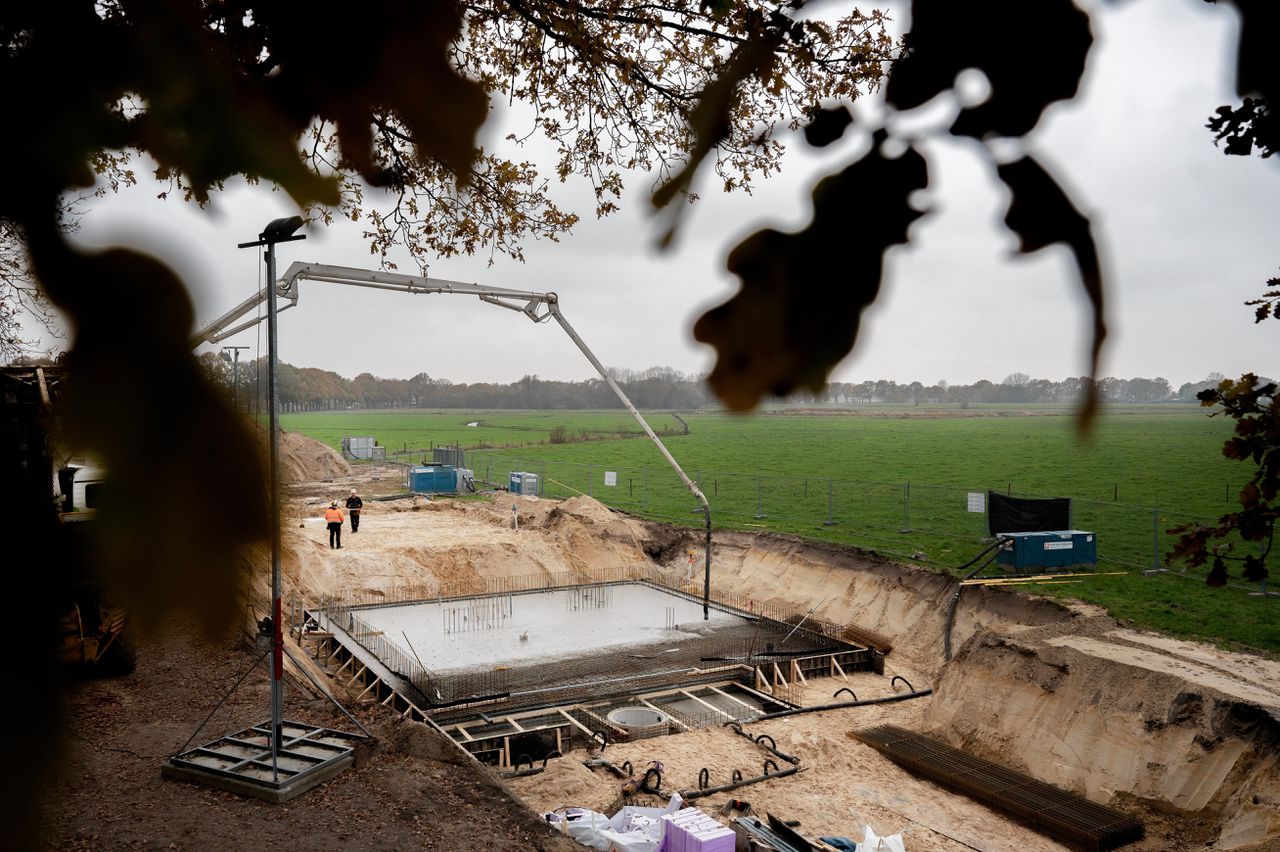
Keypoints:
(977, 502)
(610, 477)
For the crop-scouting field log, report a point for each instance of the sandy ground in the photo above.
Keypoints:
(843, 785)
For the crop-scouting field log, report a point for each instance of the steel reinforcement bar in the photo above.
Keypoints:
(1057, 813)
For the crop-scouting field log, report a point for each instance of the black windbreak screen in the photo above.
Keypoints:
(1016, 514)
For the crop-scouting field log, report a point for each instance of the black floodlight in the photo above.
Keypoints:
(278, 231)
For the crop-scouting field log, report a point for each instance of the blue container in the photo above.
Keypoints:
(433, 479)
(1050, 549)
(523, 483)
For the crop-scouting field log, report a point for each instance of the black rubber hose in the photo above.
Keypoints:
(609, 765)
(767, 764)
(852, 694)
(656, 786)
(689, 795)
(736, 776)
(704, 778)
(955, 598)
(772, 747)
(897, 678)
(522, 773)
(888, 699)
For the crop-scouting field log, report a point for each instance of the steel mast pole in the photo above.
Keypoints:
(277, 231)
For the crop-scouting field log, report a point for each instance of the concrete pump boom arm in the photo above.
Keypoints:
(538, 307)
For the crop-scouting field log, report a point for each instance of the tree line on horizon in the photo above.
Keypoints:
(312, 389)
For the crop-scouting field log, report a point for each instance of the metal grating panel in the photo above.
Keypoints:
(242, 762)
(1057, 813)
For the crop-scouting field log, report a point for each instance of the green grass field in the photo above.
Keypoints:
(895, 482)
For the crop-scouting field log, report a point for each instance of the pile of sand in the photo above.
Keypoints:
(303, 459)
(566, 783)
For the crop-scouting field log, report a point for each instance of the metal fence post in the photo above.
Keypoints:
(591, 475)
(830, 521)
(759, 499)
(906, 507)
(646, 487)
(1155, 538)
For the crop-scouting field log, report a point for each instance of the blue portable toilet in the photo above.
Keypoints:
(433, 479)
(523, 483)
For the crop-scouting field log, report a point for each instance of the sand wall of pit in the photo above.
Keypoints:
(905, 604)
(1091, 712)
(419, 548)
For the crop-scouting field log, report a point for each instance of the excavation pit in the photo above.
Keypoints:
(519, 675)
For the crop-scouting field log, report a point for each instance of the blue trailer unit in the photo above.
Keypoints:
(1058, 549)
(433, 479)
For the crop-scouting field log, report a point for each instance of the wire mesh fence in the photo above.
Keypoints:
(941, 524)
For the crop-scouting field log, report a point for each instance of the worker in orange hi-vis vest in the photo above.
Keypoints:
(333, 517)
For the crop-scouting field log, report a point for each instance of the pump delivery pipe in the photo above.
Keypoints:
(538, 307)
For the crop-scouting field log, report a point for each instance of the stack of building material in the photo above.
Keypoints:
(690, 830)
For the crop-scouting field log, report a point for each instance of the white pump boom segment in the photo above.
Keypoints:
(538, 307)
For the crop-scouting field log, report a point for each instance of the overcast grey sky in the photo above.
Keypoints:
(1187, 233)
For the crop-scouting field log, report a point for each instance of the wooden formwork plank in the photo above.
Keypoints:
(835, 664)
(732, 698)
(706, 704)
(374, 685)
(796, 674)
(575, 722)
(672, 718)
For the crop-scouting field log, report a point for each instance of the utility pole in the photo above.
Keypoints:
(235, 375)
(277, 231)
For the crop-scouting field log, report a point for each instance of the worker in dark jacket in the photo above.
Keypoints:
(354, 504)
(333, 517)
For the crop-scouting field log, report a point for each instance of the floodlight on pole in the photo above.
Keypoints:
(277, 231)
(235, 374)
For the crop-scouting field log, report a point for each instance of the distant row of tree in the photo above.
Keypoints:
(311, 389)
